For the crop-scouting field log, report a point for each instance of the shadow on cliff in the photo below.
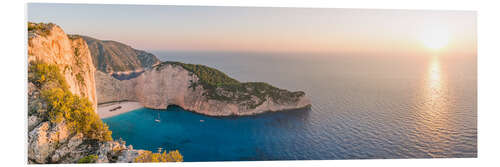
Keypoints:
(126, 76)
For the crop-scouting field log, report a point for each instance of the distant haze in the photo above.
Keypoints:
(257, 29)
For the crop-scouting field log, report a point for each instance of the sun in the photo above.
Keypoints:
(435, 38)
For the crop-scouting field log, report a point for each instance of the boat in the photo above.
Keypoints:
(158, 119)
(201, 120)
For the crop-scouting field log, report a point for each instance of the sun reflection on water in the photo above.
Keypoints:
(434, 96)
(432, 124)
(434, 83)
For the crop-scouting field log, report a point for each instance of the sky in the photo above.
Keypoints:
(258, 29)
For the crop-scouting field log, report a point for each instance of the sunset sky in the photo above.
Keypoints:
(196, 28)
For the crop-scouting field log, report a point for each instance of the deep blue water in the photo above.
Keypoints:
(362, 107)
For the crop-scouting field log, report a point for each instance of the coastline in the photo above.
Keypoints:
(116, 108)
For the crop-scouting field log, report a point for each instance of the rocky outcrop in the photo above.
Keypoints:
(55, 143)
(172, 84)
(48, 43)
(111, 56)
(50, 142)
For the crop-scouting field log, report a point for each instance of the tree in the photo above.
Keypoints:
(171, 156)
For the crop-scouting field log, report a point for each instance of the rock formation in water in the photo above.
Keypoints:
(52, 141)
(200, 89)
(111, 56)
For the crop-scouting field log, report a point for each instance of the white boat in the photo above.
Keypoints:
(201, 120)
(158, 119)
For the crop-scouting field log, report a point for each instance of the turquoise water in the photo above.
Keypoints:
(213, 139)
(362, 107)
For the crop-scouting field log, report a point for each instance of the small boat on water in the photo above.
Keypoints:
(158, 119)
(201, 120)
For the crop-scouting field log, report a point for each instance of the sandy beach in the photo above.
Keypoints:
(116, 108)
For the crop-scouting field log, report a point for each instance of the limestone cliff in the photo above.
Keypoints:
(111, 56)
(173, 83)
(56, 141)
(48, 43)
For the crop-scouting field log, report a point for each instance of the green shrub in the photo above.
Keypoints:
(148, 156)
(41, 73)
(77, 112)
(62, 105)
(42, 29)
(80, 79)
(76, 52)
(88, 159)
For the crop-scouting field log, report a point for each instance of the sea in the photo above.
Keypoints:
(363, 107)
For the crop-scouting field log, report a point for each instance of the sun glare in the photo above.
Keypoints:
(435, 38)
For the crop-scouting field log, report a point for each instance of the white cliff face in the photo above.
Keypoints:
(111, 89)
(72, 57)
(170, 85)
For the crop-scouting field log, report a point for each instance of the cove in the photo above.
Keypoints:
(270, 136)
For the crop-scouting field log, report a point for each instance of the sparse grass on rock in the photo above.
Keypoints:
(88, 159)
(42, 29)
(220, 86)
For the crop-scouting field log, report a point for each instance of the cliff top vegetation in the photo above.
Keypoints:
(42, 29)
(220, 86)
